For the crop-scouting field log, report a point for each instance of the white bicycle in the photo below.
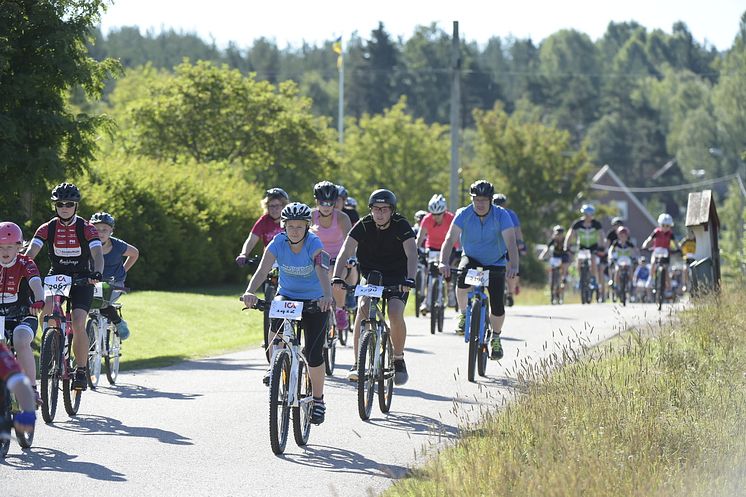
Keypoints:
(103, 337)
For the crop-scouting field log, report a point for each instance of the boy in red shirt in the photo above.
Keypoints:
(660, 239)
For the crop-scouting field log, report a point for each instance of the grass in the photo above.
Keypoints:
(656, 413)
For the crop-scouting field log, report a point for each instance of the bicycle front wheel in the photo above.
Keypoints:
(386, 374)
(434, 314)
(6, 422)
(112, 354)
(366, 375)
(418, 283)
(94, 352)
(474, 338)
(302, 413)
(279, 410)
(330, 348)
(661, 287)
(50, 371)
(70, 397)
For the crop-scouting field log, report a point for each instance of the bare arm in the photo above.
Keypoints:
(32, 250)
(349, 247)
(132, 255)
(97, 253)
(249, 244)
(37, 288)
(344, 222)
(323, 275)
(268, 259)
(421, 236)
(569, 239)
(510, 241)
(411, 250)
(454, 232)
(647, 242)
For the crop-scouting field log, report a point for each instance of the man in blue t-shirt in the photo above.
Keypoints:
(488, 241)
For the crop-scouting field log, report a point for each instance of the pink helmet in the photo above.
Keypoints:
(10, 233)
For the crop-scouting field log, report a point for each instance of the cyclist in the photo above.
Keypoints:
(488, 241)
(611, 237)
(433, 230)
(12, 375)
(501, 200)
(383, 241)
(622, 246)
(116, 266)
(661, 237)
(21, 298)
(304, 276)
(641, 279)
(418, 217)
(74, 249)
(350, 208)
(587, 232)
(688, 249)
(268, 225)
(557, 246)
(331, 226)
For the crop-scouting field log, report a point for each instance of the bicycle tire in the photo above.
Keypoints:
(94, 353)
(269, 295)
(483, 357)
(623, 288)
(434, 305)
(344, 334)
(585, 297)
(71, 398)
(113, 353)
(441, 317)
(553, 287)
(279, 410)
(386, 374)
(473, 339)
(302, 413)
(25, 440)
(417, 293)
(7, 422)
(330, 350)
(49, 373)
(661, 283)
(366, 381)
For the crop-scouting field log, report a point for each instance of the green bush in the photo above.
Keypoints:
(187, 219)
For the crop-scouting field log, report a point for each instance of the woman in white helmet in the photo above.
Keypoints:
(434, 228)
(661, 238)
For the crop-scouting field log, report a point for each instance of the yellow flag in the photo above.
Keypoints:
(337, 49)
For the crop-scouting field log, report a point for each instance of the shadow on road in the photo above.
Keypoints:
(418, 351)
(131, 391)
(343, 461)
(217, 364)
(416, 424)
(539, 316)
(101, 425)
(45, 459)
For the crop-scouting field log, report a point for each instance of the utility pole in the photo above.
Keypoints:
(455, 115)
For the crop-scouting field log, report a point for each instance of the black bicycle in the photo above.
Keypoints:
(586, 289)
(436, 292)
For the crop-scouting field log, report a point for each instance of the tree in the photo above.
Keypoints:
(42, 57)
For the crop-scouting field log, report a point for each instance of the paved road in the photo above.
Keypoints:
(200, 427)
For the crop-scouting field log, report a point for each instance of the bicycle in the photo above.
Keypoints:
(270, 289)
(586, 291)
(56, 363)
(661, 257)
(290, 383)
(623, 266)
(103, 338)
(419, 283)
(477, 332)
(436, 290)
(330, 342)
(9, 407)
(555, 285)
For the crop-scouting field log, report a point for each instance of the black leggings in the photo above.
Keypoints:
(314, 325)
(496, 287)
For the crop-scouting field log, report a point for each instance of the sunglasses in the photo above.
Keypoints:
(61, 205)
(327, 203)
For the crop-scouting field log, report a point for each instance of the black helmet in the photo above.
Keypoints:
(482, 188)
(325, 191)
(276, 193)
(342, 191)
(499, 199)
(296, 211)
(66, 192)
(382, 196)
(103, 217)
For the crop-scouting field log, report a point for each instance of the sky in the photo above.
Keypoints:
(291, 22)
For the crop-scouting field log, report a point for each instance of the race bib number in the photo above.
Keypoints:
(584, 255)
(98, 290)
(369, 291)
(555, 262)
(477, 277)
(660, 252)
(57, 284)
(433, 256)
(624, 261)
(286, 309)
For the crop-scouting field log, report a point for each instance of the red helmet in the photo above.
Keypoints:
(10, 233)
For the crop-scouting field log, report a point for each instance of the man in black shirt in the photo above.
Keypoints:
(384, 242)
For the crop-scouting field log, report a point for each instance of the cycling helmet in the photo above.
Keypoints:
(351, 202)
(10, 233)
(382, 196)
(617, 221)
(482, 188)
(419, 215)
(665, 220)
(342, 191)
(66, 192)
(276, 193)
(622, 229)
(558, 229)
(296, 211)
(588, 209)
(499, 199)
(437, 204)
(103, 217)
(325, 191)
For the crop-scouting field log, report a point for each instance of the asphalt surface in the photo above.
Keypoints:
(201, 427)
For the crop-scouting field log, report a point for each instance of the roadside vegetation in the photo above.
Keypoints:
(655, 413)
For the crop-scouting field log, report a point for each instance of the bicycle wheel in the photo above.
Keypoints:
(302, 413)
(623, 288)
(70, 397)
(330, 348)
(279, 410)
(473, 338)
(386, 374)
(483, 355)
(366, 378)
(269, 295)
(6, 422)
(112, 354)
(94, 352)
(418, 292)
(661, 284)
(25, 440)
(434, 295)
(585, 291)
(441, 308)
(344, 333)
(554, 287)
(50, 370)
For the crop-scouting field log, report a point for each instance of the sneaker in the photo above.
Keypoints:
(461, 323)
(80, 380)
(423, 308)
(123, 330)
(497, 348)
(400, 372)
(318, 411)
(39, 402)
(352, 374)
(265, 378)
(341, 316)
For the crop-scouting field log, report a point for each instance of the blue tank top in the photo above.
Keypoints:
(114, 261)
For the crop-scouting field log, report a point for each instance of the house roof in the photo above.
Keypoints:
(699, 208)
(606, 171)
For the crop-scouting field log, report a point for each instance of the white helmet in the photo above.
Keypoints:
(437, 204)
(665, 220)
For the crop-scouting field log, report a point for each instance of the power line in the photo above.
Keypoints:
(673, 188)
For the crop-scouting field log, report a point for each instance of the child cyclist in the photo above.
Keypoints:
(661, 238)
(556, 247)
(619, 250)
(304, 276)
(116, 266)
(21, 298)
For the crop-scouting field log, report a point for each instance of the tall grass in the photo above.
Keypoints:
(660, 413)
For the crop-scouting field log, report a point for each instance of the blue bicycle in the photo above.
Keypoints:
(477, 326)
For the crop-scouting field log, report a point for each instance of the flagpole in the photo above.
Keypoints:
(340, 117)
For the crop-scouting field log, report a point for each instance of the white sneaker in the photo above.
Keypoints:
(352, 374)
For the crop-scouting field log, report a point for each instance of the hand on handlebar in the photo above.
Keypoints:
(407, 285)
(95, 277)
(242, 260)
(249, 299)
(325, 303)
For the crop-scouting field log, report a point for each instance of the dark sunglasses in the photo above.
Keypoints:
(327, 203)
(61, 205)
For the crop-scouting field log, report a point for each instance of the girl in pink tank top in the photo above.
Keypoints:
(333, 236)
